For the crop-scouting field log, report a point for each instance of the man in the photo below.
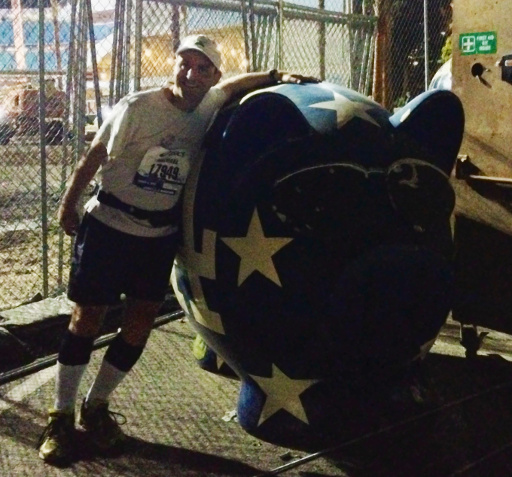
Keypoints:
(129, 235)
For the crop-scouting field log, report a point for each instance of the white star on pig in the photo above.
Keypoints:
(256, 250)
(283, 393)
(346, 109)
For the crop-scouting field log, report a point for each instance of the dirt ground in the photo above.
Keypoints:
(33, 251)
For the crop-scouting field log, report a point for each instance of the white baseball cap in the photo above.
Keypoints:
(203, 44)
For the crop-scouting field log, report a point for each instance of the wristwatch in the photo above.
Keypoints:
(274, 75)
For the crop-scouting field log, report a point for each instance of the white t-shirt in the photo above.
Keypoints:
(151, 146)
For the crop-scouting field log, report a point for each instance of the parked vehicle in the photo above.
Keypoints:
(20, 113)
(443, 77)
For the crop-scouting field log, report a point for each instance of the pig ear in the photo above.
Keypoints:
(261, 123)
(430, 127)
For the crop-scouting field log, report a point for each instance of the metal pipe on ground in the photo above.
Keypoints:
(48, 361)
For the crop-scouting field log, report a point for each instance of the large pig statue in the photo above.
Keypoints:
(317, 257)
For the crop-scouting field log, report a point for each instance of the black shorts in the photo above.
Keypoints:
(107, 263)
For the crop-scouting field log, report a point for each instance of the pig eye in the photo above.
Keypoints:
(420, 192)
(328, 200)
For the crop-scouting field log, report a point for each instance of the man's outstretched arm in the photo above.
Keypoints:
(247, 81)
(68, 215)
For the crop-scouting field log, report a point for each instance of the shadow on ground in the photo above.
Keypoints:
(465, 430)
(140, 457)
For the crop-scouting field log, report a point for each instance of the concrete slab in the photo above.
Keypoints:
(180, 421)
(176, 420)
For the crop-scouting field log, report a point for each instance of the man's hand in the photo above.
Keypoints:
(297, 79)
(69, 219)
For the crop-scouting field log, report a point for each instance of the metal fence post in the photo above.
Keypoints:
(425, 41)
(42, 152)
(137, 72)
(280, 42)
(321, 41)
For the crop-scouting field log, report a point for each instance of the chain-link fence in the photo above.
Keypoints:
(409, 47)
(79, 58)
